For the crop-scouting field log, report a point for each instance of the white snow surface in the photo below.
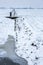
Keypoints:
(31, 31)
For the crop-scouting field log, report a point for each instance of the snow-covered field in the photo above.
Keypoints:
(29, 33)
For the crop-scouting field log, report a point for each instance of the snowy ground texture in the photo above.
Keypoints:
(29, 43)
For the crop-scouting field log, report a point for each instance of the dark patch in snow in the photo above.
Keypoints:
(7, 61)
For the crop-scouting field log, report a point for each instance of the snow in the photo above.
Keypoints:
(31, 31)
